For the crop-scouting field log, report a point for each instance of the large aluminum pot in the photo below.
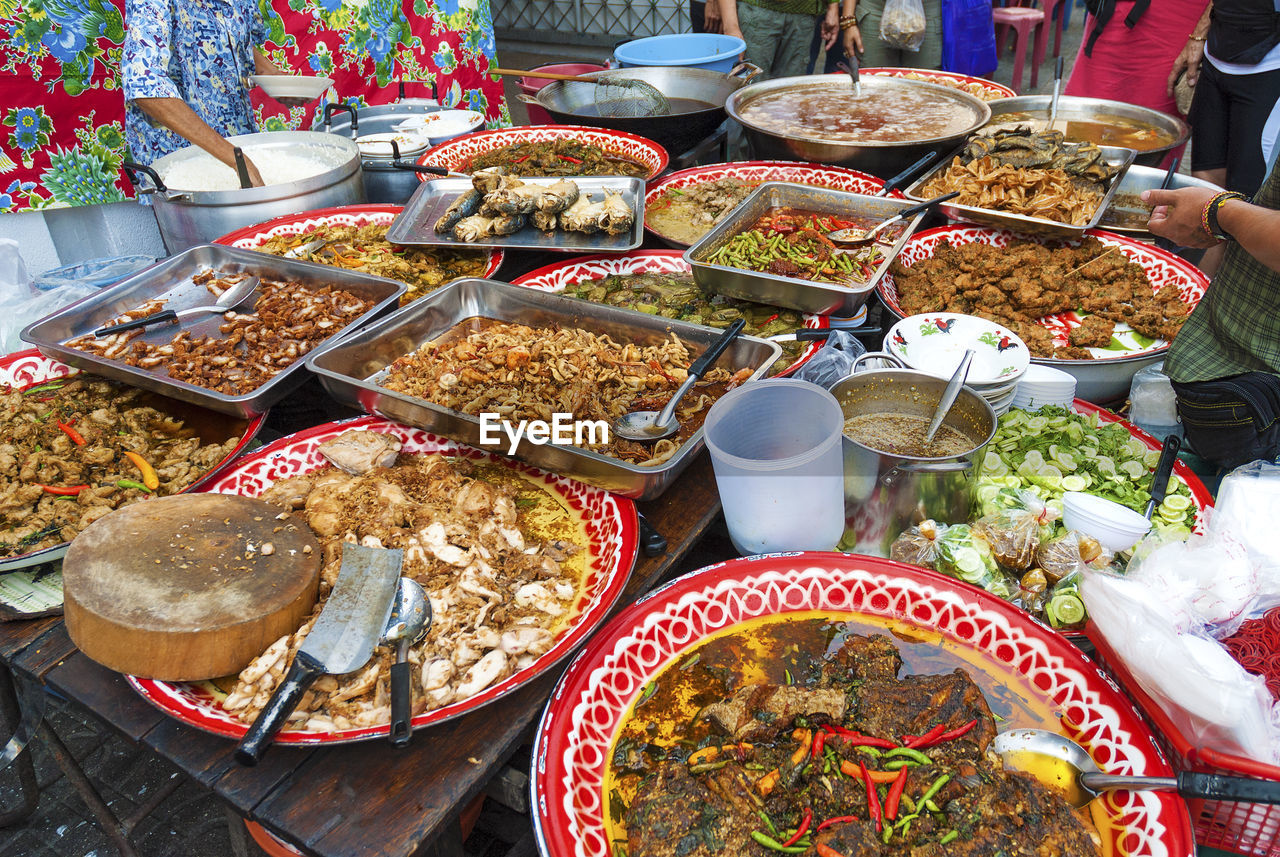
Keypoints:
(188, 218)
(878, 158)
(574, 103)
(386, 179)
(885, 494)
(1073, 108)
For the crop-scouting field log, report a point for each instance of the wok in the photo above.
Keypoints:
(1071, 109)
(573, 102)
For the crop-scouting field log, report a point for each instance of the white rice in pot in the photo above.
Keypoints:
(202, 172)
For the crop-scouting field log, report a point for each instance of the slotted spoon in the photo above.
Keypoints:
(616, 97)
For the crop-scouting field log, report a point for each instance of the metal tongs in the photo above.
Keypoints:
(851, 68)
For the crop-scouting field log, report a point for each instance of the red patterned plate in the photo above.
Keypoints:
(27, 368)
(987, 90)
(1162, 268)
(560, 275)
(757, 172)
(610, 523)
(457, 153)
(578, 728)
(253, 237)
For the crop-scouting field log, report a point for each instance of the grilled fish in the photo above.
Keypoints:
(464, 206)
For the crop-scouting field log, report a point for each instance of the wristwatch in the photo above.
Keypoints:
(1211, 214)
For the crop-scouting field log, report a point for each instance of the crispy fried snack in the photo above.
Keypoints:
(1047, 193)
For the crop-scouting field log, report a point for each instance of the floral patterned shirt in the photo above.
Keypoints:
(198, 50)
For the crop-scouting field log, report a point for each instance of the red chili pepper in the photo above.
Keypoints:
(75, 436)
(825, 850)
(819, 741)
(522, 160)
(957, 732)
(873, 798)
(857, 739)
(895, 793)
(914, 741)
(837, 819)
(570, 159)
(770, 319)
(64, 490)
(805, 821)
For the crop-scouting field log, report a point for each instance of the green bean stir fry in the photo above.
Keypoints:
(792, 243)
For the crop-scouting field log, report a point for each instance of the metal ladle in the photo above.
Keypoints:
(228, 300)
(408, 623)
(1061, 763)
(851, 68)
(647, 426)
(949, 395)
(1057, 90)
(858, 237)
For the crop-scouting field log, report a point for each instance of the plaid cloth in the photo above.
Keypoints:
(1236, 327)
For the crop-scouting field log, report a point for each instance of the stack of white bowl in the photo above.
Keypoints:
(936, 342)
(1044, 385)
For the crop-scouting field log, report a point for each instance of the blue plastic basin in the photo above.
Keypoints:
(693, 50)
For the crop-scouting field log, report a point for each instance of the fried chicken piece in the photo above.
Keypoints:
(1073, 353)
(1094, 332)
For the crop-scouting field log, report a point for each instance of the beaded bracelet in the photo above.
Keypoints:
(848, 25)
(848, 19)
(1209, 217)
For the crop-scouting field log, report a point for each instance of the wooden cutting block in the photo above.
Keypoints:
(188, 587)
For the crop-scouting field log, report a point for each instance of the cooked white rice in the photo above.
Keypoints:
(203, 172)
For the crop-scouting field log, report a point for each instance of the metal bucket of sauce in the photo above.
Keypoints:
(885, 493)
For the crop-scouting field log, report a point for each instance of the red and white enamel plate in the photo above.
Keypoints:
(560, 275)
(26, 369)
(578, 728)
(758, 172)
(610, 523)
(1162, 269)
(987, 90)
(253, 237)
(456, 154)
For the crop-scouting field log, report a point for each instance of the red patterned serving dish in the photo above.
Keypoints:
(987, 90)
(577, 731)
(758, 172)
(610, 523)
(560, 275)
(457, 153)
(28, 368)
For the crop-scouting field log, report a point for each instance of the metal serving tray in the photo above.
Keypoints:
(792, 292)
(170, 280)
(416, 224)
(1113, 155)
(351, 370)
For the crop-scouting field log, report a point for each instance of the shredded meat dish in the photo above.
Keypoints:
(1026, 281)
(526, 373)
(848, 759)
(560, 157)
(287, 321)
(63, 463)
(501, 560)
(366, 248)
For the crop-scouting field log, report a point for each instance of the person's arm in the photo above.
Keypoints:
(711, 18)
(1178, 214)
(1192, 53)
(176, 115)
(729, 18)
(851, 38)
(831, 25)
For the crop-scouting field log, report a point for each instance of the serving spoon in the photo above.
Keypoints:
(408, 623)
(1062, 764)
(647, 426)
(949, 395)
(855, 237)
(851, 68)
(228, 300)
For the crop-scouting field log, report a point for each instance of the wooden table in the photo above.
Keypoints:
(365, 798)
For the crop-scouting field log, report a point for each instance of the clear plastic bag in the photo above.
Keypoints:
(1069, 554)
(965, 555)
(1207, 580)
(1014, 532)
(1248, 505)
(902, 24)
(918, 545)
(833, 362)
(20, 303)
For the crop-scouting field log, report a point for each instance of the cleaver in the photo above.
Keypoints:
(341, 641)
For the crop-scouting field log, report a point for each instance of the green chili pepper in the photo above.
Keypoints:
(768, 822)
(915, 755)
(129, 483)
(934, 789)
(775, 845)
(951, 834)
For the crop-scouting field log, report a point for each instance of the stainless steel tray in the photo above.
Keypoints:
(170, 280)
(1113, 155)
(791, 292)
(1136, 180)
(416, 224)
(351, 370)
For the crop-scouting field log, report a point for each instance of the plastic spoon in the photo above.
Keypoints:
(1061, 763)
(858, 237)
(949, 395)
(655, 425)
(228, 300)
(1164, 469)
(408, 623)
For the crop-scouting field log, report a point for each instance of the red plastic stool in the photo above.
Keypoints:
(1025, 21)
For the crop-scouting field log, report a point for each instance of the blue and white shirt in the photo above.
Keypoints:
(198, 50)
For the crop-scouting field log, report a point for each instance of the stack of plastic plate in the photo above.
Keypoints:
(935, 342)
(1044, 385)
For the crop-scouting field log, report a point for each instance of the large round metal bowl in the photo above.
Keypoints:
(1072, 109)
(880, 158)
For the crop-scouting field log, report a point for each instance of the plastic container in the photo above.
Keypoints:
(1117, 528)
(1153, 404)
(531, 85)
(693, 50)
(102, 272)
(776, 451)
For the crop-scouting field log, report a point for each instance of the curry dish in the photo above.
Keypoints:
(561, 157)
(800, 735)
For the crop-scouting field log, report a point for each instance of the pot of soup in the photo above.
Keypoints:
(883, 130)
(1096, 120)
(892, 479)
